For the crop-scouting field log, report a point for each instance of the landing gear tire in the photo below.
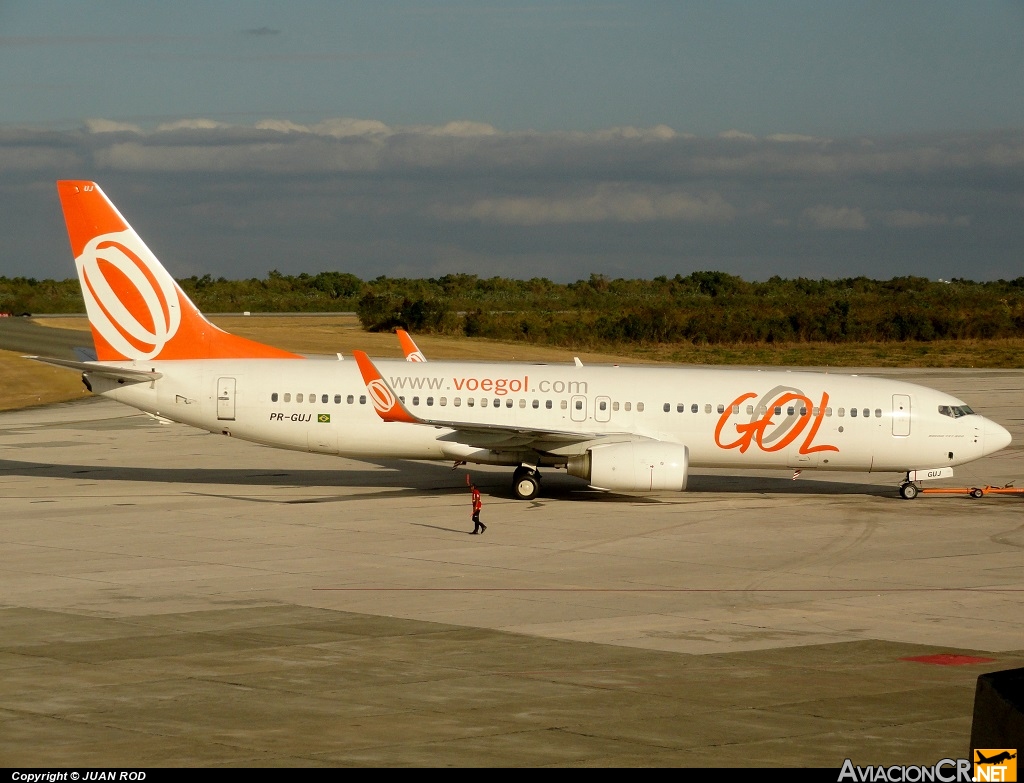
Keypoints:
(525, 483)
(908, 491)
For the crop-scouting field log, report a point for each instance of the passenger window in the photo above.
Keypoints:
(680, 407)
(828, 411)
(337, 399)
(627, 405)
(362, 399)
(443, 401)
(842, 412)
(735, 409)
(536, 403)
(470, 402)
(790, 410)
(667, 407)
(430, 402)
(415, 400)
(563, 404)
(814, 411)
(287, 397)
(778, 410)
(547, 404)
(721, 408)
(878, 413)
(707, 408)
(497, 402)
(803, 411)
(298, 398)
(457, 402)
(615, 406)
(695, 408)
(312, 399)
(273, 397)
(324, 398)
(750, 410)
(853, 412)
(867, 412)
(640, 407)
(350, 399)
(522, 403)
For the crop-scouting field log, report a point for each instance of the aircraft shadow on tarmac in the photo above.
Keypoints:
(400, 478)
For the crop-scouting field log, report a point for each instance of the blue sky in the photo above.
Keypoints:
(555, 139)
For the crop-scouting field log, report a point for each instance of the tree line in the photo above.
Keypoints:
(700, 308)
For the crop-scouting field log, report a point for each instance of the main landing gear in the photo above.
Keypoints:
(526, 482)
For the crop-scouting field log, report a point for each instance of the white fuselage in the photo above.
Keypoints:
(727, 418)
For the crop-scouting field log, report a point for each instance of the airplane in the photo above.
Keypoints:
(996, 759)
(624, 429)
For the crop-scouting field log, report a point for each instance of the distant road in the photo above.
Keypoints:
(25, 336)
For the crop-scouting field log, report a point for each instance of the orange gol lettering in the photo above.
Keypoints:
(754, 431)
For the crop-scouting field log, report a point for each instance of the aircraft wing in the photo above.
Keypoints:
(390, 408)
(102, 370)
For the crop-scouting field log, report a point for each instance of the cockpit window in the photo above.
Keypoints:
(955, 411)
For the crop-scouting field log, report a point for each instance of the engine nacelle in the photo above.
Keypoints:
(633, 467)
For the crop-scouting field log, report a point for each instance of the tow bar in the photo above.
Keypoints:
(974, 492)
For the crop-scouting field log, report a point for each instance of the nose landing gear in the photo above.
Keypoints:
(909, 490)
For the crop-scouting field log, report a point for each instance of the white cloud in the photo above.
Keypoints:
(110, 126)
(909, 218)
(834, 218)
(605, 203)
(794, 138)
(191, 124)
(460, 128)
(281, 126)
(342, 127)
(737, 135)
(658, 132)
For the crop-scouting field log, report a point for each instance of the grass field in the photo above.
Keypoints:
(24, 383)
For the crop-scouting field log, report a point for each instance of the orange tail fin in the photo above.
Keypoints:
(135, 308)
(409, 347)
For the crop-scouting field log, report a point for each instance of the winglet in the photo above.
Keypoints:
(409, 348)
(385, 401)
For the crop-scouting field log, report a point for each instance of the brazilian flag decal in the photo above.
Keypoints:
(323, 418)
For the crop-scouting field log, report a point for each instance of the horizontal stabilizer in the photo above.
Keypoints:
(102, 370)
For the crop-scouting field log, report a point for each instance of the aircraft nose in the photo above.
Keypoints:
(996, 437)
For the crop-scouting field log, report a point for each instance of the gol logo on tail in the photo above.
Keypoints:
(132, 302)
(762, 430)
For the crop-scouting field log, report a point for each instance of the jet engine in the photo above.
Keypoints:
(633, 467)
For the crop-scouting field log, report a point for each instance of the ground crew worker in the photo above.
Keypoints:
(478, 526)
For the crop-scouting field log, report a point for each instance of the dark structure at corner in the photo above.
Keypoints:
(998, 711)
